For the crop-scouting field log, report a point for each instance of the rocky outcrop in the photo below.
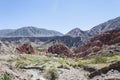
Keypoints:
(59, 49)
(101, 41)
(25, 48)
(115, 66)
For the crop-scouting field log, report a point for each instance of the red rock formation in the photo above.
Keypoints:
(99, 42)
(59, 49)
(25, 48)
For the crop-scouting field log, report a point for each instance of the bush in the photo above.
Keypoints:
(6, 76)
(51, 74)
(99, 59)
(20, 63)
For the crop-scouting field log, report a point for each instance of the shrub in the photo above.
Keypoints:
(51, 74)
(20, 63)
(6, 76)
(99, 59)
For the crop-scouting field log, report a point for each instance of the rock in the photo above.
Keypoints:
(72, 74)
(99, 42)
(93, 67)
(115, 66)
(25, 48)
(59, 49)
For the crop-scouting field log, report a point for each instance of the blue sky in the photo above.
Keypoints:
(60, 15)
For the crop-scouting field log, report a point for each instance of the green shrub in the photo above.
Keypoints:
(6, 76)
(20, 63)
(51, 74)
(99, 59)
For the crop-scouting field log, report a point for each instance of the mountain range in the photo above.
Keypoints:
(77, 36)
(108, 25)
(31, 31)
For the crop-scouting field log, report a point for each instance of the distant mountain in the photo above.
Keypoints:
(109, 25)
(6, 31)
(76, 32)
(76, 38)
(30, 32)
(87, 35)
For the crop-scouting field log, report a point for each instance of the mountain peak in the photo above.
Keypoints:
(76, 32)
(77, 28)
(28, 27)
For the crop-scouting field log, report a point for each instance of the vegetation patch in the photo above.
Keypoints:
(51, 73)
(6, 76)
(63, 62)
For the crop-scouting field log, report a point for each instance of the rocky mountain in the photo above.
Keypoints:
(67, 40)
(87, 35)
(109, 25)
(76, 32)
(99, 42)
(74, 38)
(30, 32)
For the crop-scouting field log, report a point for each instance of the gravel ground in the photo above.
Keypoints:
(72, 74)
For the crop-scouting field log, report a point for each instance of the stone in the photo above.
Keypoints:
(25, 48)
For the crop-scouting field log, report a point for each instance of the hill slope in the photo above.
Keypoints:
(109, 25)
(76, 32)
(87, 35)
(31, 32)
(99, 42)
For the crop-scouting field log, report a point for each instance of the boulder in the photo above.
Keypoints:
(59, 49)
(104, 70)
(25, 48)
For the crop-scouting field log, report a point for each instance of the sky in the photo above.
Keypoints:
(60, 15)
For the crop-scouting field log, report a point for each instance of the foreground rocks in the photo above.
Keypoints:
(115, 66)
(110, 75)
